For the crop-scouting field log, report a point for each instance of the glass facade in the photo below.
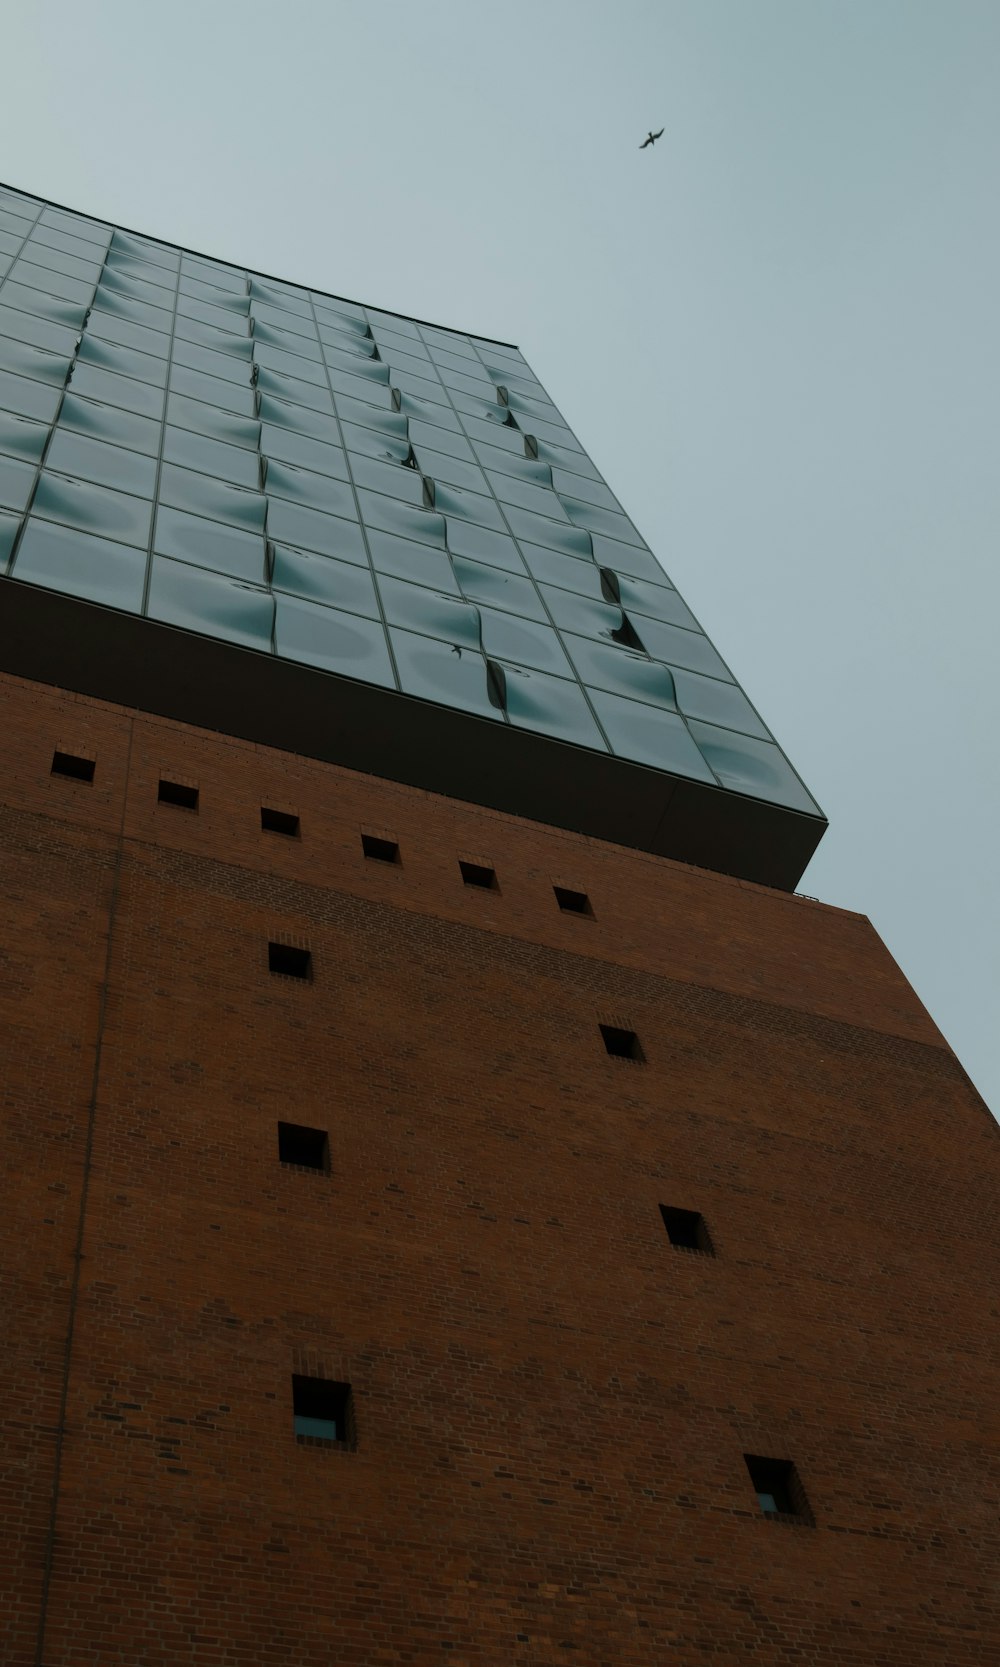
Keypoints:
(346, 489)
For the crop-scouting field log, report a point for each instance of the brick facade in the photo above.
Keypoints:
(552, 1403)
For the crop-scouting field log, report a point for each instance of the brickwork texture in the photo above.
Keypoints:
(551, 1402)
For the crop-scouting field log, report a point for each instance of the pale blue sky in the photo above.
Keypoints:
(776, 332)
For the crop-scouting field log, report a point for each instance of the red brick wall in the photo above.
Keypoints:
(552, 1403)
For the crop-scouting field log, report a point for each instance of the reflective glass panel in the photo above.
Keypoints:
(19, 437)
(523, 642)
(442, 672)
(406, 559)
(391, 515)
(16, 480)
(338, 584)
(141, 397)
(210, 603)
(750, 766)
(74, 562)
(205, 495)
(93, 460)
(110, 422)
(329, 535)
(114, 515)
(497, 588)
(214, 457)
(393, 478)
(553, 705)
(304, 486)
(717, 703)
(335, 641)
(289, 446)
(650, 735)
(191, 538)
(431, 611)
(209, 420)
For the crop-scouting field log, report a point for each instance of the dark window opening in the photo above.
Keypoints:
(284, 958)
(777, 1486)
(476, 874)
(176, 793)
(627, 635)
(686, 1229)
(69, 764)
(379, 850)
(622, 1044)
(322, 1410)
(303, 1147)
(279, 822)
(572, 902)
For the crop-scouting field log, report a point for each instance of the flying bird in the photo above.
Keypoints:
(651, 139)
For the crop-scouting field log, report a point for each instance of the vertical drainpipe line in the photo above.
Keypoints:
(88, 1153)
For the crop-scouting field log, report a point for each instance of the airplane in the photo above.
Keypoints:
(651, 140)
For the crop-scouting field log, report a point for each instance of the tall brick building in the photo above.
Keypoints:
(460, 1205)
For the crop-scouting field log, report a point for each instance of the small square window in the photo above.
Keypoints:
(322, 1410)
(777, 1486)
(289, 961)
(305, 1148)
(622, 1044)
(178, 793)
(379, 850)
(477, 874)
(686, 1229)
(572, 902)
(279, 822)
(72, 765)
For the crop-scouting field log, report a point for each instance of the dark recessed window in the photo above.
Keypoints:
(686, 1229)
(279, 822)
(572, 902)
(303, 1147)
(777, 1486)
(622, 1044)
(476, 874)
(178, 793)
(72, 765)
(322, 1410)
(291, 962)
(379, 850)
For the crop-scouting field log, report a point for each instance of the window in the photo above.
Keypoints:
(322, 1410)
(379, 850)
(71, 765)
(303, 1147)
(178, 793)
(622, 1044)
(777, 1486)
(477, 874)
(279, 822)
(289, 961)
(686, 1229)
(573, 902)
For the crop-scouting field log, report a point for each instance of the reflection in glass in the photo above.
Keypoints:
(338, 642)
(322, 579)
(211, 604)
(650, 735)
(442, 672)
(227, 549)
(330, 535)
(95, 508)
(80, 565)
(93, 460)
(553, 705)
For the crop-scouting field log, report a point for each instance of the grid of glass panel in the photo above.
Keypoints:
(345, 488)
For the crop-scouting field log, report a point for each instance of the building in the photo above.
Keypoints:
(460, 1204)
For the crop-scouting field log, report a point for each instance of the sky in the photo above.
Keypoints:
(776, 331)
